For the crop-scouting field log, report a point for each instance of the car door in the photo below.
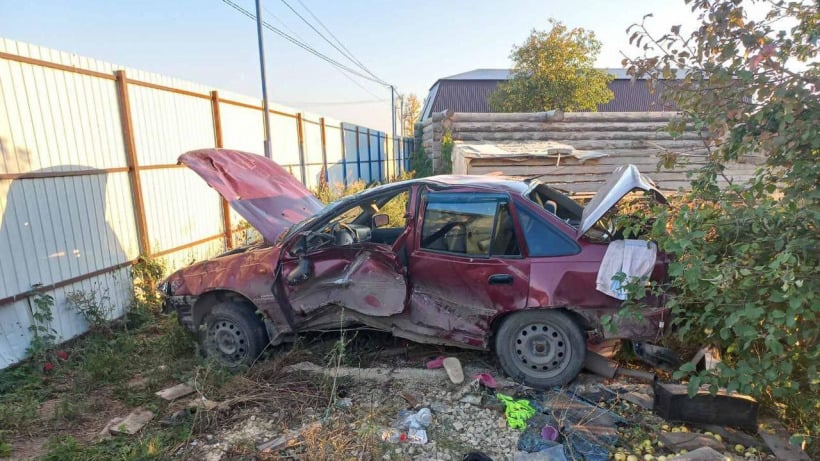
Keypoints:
(328, 266)
(466, 266)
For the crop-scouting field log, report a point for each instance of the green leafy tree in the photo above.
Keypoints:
(554, 70)
(745, 268)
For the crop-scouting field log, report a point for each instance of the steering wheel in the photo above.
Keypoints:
(340, 227)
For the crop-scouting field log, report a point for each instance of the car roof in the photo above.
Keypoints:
(488, 182)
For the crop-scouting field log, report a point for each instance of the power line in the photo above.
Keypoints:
(335, 103)
(343, 50)
(304, 46)
(296, 35)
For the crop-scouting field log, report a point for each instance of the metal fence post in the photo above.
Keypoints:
(358, 155)
(379, 157)
(369, 159)
(344, 154)
(218, 142)
(132, 162)
(323, 137)
(301, 138)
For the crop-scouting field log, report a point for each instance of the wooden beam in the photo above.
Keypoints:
(219, 143)
(132, 162)
(61, 174)
(54, 65)
(72, 280)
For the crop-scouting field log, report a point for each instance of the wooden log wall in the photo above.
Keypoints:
(639, 138)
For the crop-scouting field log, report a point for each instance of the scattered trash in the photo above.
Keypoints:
(472, 399)
(287, 439)
(392, 435)
(590, 443)
(706, 358)
(132, 423)
(412, 398)
(437, 362)
(657, 356)
(486, 380)
(175, 392)
(439, 407)
(555, 453)
(672, 403)
(516, 411)
(453, 367)
(416, 436)
(549, 433)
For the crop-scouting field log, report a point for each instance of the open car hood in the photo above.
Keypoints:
(264, 193)
(622, 181)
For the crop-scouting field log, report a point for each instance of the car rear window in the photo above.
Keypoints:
(542, 238)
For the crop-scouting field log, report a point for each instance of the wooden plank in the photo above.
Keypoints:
(777, 439)
(564, 126)
(584, 143)
(54, 65)
(283, 441)
(64, 283)
(131, 161)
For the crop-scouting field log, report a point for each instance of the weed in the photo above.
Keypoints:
(93, 305)
(146, 273)
(43, 336)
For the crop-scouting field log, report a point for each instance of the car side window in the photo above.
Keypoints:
(542, 238)
(468, 224)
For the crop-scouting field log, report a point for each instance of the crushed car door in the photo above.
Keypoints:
(349, 260)
(467, 266)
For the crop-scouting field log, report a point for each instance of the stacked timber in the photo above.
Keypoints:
(639, 138)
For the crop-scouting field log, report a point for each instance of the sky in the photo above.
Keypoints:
(407, 44)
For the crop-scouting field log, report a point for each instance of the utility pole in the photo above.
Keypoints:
(393, 110)
(264, 78)
(401, 114)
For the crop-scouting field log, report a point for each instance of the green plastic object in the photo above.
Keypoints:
(518, 412)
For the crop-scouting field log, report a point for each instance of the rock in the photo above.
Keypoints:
(639, 398)
(472, 399)
(701, 454)
(689, 441)
(777, 439)
(203, 403)
(133, 422)
(175, 392)
(458, 425)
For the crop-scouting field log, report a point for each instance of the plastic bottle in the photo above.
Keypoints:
(424, 417)
(391, 435)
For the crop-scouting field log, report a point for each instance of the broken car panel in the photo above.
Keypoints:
(454, 260)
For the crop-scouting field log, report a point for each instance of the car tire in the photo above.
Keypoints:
(541, 348)
(233, 335)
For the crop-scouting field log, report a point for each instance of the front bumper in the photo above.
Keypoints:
(183, 306)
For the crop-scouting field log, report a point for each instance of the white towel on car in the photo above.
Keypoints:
(635, 258)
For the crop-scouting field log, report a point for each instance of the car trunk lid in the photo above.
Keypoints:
(261, 191)
(622, 181)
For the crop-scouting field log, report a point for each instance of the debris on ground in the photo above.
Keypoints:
(453, 368)
(776, 438)
(286, 439)
(657, 356)
(673, 403)
(175, 392)
(132, 423)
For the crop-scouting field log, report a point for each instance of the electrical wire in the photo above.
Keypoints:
(304, 46)
(343, 50)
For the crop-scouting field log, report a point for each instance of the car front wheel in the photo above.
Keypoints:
(233, 335)
(541, 348)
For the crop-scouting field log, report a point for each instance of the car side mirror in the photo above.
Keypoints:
(380, 220)
(301, 272)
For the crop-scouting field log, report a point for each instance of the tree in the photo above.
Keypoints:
(410, 113)
(554, 70)
(746, 272)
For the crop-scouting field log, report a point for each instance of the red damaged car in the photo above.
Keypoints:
(476, 262)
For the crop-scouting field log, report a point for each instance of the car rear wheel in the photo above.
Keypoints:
(541, 348)
(233, 335)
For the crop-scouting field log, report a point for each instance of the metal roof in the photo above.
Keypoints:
(468, 92)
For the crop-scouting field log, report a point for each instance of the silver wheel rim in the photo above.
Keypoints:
(227, 342)
(541, 350)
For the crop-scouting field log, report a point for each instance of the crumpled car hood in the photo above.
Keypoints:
(261, 191)
(622, 181)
